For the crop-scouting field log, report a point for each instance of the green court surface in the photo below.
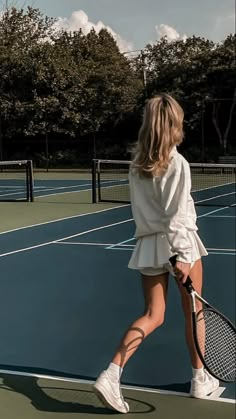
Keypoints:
(50, 203)
(31, 398)
(62, 238)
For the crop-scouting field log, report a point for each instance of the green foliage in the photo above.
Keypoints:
(68, 84)
(196, 72)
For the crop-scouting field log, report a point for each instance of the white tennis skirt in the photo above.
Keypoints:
(154, 251)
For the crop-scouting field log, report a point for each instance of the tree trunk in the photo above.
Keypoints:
(215, 122)
(226, 134)
(1, 140)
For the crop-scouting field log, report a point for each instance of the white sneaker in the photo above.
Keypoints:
(201, 388)
(109, 393)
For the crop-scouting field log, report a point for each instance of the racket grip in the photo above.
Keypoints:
(173, 260)
(188, 283)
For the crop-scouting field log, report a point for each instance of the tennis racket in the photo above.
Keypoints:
(214, 336)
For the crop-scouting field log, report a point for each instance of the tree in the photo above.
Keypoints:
(20, 31)
(195, 71)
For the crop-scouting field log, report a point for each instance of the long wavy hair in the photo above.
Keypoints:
(161, 130)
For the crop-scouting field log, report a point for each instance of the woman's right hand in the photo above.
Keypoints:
(182, 270)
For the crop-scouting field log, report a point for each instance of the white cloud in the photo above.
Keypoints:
(169, 32)
(79, 20)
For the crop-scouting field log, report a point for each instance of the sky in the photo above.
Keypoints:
(135, 23)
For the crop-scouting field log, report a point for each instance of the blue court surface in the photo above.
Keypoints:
(15, 189)
(68, 296)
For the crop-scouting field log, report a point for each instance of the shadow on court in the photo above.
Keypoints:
(42, 401)
(33, 398)
(62, 397)
(66, 265)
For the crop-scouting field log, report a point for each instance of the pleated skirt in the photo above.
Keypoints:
(154, 251)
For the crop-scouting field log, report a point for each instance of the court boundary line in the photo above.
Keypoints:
(90, 244)
(62, 193)
(91, 213)
(113, 246)
(216, 210)
(123, 386)
(13, 193)
(71, 236)
(93, 229)
(25, 249)
(51, 188)
(212, 187)
(63, 219)
(214, 197)
(66, 192)
(192, 192)
(77, 234)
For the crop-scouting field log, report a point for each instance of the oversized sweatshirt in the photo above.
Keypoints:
(164, 204)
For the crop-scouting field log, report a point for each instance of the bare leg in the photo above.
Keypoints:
(155, 293)
(196, 277)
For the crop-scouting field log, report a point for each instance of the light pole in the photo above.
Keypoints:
(143, 63)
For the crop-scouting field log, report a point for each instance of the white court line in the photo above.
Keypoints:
(94, 229)
(216, 394)
(216, 196)
(213, 187)
(223, 250)
(25, 249)
(197, 190)
(121, 243)
(56, 188)
(80, 190)
(125, 387)
(212, 212)
(64, 238)
(123, 246)
(86, 214)
(62, 193)
(91, 244)
(114, 181)
(222, 253)
(63, 219)
(13, 193)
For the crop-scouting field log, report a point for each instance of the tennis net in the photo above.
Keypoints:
(16, 180)
(212, 184)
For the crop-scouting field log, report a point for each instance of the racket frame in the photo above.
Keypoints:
(193, 295)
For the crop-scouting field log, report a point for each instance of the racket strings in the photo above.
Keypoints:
(217, 343)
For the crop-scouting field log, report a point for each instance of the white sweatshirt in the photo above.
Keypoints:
(164, 205)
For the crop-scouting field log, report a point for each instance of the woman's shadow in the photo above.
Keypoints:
(40, 400)
(29, 387)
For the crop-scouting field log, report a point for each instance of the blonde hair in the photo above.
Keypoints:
(161, 130)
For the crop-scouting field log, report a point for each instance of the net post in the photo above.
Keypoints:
(94, 181)
(27, 181)
(30, 183)
(99, 180)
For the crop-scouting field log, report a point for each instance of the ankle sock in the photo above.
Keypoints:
(199, 373)
(114, 372)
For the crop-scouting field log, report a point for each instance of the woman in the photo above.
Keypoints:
(165, 220)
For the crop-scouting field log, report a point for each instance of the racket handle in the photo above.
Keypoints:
(173, 260)
(188, 283)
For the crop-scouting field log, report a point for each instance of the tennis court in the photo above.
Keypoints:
(67, 296)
